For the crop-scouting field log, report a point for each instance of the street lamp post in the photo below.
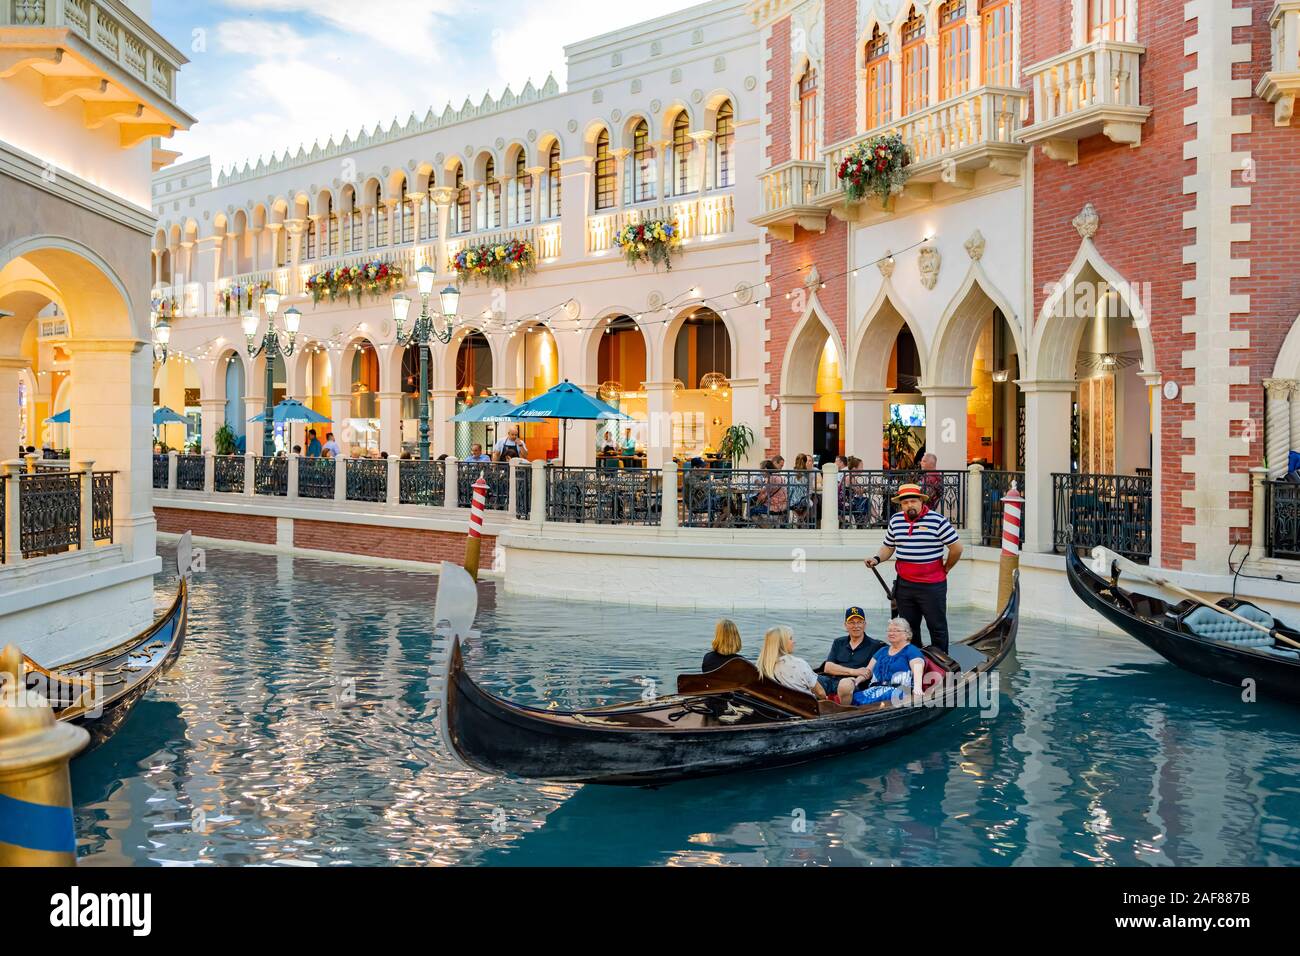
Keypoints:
(422, 333)
(271, 346)
(162, 336)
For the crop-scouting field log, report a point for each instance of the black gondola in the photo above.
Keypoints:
(1194, 636)
(98, 692)
(727, 720)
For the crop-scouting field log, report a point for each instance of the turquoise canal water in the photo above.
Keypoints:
(252, 751)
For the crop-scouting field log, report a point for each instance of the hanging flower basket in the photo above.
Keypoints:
(372, 278)
(241, 297)
(653, 241)
(878, 165)
(497, 263)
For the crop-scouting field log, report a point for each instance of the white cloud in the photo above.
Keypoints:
(259, 39)
(399, 25)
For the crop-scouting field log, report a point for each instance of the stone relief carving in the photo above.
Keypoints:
(1087, 222)
(975, 246)
(927, 261)
(886, 265)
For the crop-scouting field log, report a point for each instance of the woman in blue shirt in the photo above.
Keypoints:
(895, 669)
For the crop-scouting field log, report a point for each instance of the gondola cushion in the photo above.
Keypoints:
(1211, 624)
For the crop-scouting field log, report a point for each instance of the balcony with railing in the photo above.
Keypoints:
(948, 144)
(1090, 90)
(700, 218)
(786, 195)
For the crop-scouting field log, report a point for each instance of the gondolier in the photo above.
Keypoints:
(919, 536)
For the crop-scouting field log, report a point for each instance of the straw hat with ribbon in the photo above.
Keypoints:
(909, 490)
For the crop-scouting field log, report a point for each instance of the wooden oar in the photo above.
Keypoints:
(1137, 570)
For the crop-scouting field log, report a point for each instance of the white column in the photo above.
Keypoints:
(830, 516)
(896, 83)
(932, 51)
(1277, 423)
(112, 425)
(212, 413)
(535, 201)
(291, 477)
(945, 424)
(1258, 513)
(537, 508)
(975, 501)
(254, 406)
(974, 76)
(620, 177)
(668, 514)
(394, 479)
(796, 413)
(13, 525)
(171, 470)
(702, 140)
(390, 422)
(452, 482)
(340, 413)
(864, 426)
(659, 407)
(1048, 407)
(442, 431)
(10, 369)
(442, 197)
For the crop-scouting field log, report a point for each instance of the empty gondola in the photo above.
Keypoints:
(728, 720)
(1230, 641)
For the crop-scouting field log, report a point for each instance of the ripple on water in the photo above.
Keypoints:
(298, 730)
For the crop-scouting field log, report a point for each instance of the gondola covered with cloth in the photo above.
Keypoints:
(1230, 641)
(728, 720)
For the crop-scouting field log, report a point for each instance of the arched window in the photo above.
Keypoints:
(916, 64)
(428, 212)
(604, 172)
(682, 143)
(310, 246)
(462, 200)
(642, 180)
(378, 220)
(521, 191)
(490, 216)
(1107, 20)
(405, 220)
(724, 140)
(879, 79)
(808, 115)
(553, 182)
(331, 228)
(995, 48)
(356, 233)
(954, 49)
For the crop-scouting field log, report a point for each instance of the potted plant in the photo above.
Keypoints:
(224, 440)
(736, 442)
(900, 438)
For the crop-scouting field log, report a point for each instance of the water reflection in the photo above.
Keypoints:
(298, 730)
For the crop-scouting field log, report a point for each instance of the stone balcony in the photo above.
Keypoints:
(101, 53)
(1084, 92)
(786, 194)
(950, 144)
(1280, 85)
(700, 218)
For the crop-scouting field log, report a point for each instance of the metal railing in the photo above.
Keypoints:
(190, 472)
(995, 486)
(228, 473)
(748, 498)
(270, 476)
(1282, 520)
(316, 477)
(101, 501)
(866, 497)
(524, 493)
(367, 479)
(497, 476)
(1109, 510)
(49, 518)
(422, 483)
(604, 495)
(160, 470)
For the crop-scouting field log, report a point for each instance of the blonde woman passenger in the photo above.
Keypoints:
(726, 645)
(777, 662)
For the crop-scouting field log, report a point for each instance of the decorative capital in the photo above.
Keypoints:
(927, 261)
(813, 279)
(975, 246)
(886, 265)
(1087, 222)
(442, 195)
(1281, 389)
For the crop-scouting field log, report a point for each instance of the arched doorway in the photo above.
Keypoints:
(702, 405)
(235, 413)
(176, 386)
(621, 375)
(361, 431)
(409, 383)
(537, 362)
(811, 401)
(473, 381)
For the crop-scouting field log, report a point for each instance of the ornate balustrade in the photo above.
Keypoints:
(228, 473)
(190, 472)
(497, 476)
(422, 483)
(604, 495)
(367, 479)
(54, 511)
(316, 477)
(866, 497)
(1109, 510)
(1282, 519)
(270, 476)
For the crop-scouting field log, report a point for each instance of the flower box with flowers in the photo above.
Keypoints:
(372, 278)
(497, 262)
(878, 165)
(653, 241)
(241, 297)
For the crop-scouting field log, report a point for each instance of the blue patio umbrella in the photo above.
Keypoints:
(291, 410)
(566, 402)
(63, 418)
(165, 416)
(493, 408)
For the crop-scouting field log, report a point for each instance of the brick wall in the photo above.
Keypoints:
(257, 529)
(404, 544)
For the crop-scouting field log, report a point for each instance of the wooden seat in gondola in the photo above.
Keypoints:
(742, 676)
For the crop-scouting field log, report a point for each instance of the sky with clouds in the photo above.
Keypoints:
(266, 75)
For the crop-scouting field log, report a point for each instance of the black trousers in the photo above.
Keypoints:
(928, 601)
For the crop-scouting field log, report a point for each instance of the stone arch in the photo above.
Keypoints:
(1288, 359)
(664, 354)
(446, 373)
(669, 117)
(592, 133)
(589, 349)
(713, 101)
(393, 187)
(478, 170)
(956, 339)
(544, 141)
(347, 199)
(86, 287)
(874, 341)
(1054, 346)
(803, 350)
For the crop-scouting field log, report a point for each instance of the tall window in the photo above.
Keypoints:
(404, 221)
(490, 218)
(356, 232)
(724, 140)
(462, 200)
(680, 178)
(880, 84)
(808, 115)
(916, 64)
(553, 182)
(428, 213)
(521, 191)
(1106, 19)
(643, 164)
(331, 228)
(312, 226)
(995, 49)
(604, 172)
(954, 49)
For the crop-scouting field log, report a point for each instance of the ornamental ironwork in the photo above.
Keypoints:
(995, 486)
(604, 495)
(49, 513)
(270, 476)
(866, 497)
(228, 473)
(367, 479)
(316, 477)
(422, 482)
(748, 498)
(1113, 511)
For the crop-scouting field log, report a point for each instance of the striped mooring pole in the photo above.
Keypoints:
(475, 540)
(36, 823)
(1013, 509)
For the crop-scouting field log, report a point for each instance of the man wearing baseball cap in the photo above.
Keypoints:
(919, 536)
(847, 662)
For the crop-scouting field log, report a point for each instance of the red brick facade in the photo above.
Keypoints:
(255, 529)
